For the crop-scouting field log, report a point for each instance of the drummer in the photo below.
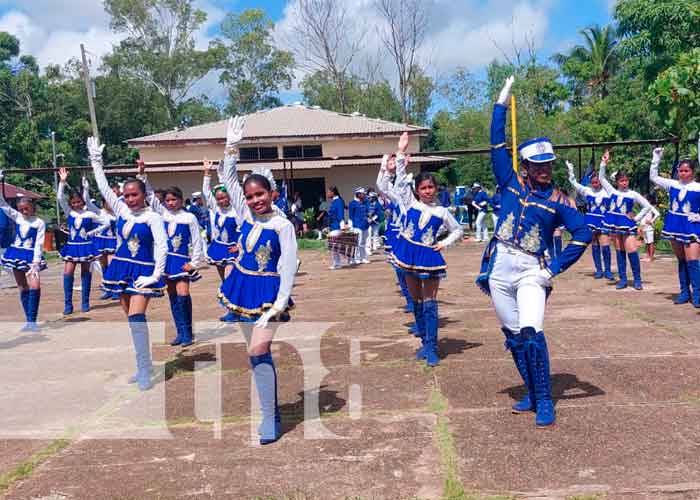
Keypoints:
(336, 223)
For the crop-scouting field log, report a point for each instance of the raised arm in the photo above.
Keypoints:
(151, 197)
(580, 188)
(95, 152)
(654, 176)
(228, 173)
(501, 161)
(86, 196)
(601, 174)
(61, 193)
(206, 186)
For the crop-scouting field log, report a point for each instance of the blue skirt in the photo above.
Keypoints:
(219, 255)
(693, 232)
(619, 224)
(120, 275)
(20, 259)
(174, 271)
(79, 252)
(676, 228)
(250, 295)
(418, 260)
(105, 245)
(594, 221)
(390, 239)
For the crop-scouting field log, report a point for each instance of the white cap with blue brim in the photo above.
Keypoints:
(539, 150)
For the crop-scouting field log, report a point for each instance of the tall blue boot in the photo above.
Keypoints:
(557, 246)
(24, 299)
(33, 310)
(636, 270)
(401, 278)
(622, 269)
(538, 363)
(177, 318)
(419, 328)
(85, 285)
(67, 294)
(430, 320)
(607, 262)
(684, 282)
(185, 307)
(142, 347)
(694, 274)
(595, 251)
(516, 345)
(265, 376)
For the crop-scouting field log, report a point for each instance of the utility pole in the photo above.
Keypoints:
(90, 96)
(55, 176)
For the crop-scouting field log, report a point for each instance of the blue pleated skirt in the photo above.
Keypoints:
(418, 260)
(676, 228)
(219, 254)
(390, 239)
(105, 245)
(249, 295)
(20, 259)
(120, 275)
(79, 252)
(619, 224)
(174, 271)
(595, 221)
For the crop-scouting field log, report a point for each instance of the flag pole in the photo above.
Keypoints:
(514, 132)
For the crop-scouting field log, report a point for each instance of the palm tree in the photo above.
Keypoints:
(599, 56)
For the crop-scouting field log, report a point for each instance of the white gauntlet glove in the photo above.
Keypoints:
(265, 317)
(145, 281)
(95, 150)
(694, 217)
(657, 155)
(234, 131)
(504, 96)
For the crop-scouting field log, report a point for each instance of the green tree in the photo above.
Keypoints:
(420, 96)
(591, 65)
(254, 70)
(159, 48)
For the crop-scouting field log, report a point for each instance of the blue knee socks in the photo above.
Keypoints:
(24, 299)
(430, 320)
(85, 285)
(67, 294)
(636, 269)
(622, 268)
(185, 309)
(265, 377)
(694, 275)
(595, 251)
(607, 258)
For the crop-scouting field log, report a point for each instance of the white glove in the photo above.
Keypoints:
(385, 162)
(144, 281)
(503, 97)
(570, 166)
(348, 224)
(657, 155)
(694, 217)
(543, 277)
(95, 149)
(2, 175)
(85, 183)
(234, 131)
(266, 316)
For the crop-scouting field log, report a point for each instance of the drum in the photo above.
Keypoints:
(344, 242)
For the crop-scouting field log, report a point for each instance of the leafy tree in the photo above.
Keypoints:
(253, 69)
(160, 47)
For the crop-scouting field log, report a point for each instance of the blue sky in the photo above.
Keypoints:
(463, 33)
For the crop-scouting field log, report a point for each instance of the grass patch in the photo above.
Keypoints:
(594, 496)
(25, 468)
(307, 244)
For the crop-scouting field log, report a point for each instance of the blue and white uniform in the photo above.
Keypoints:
(597, 206)
(495, 203)
(622, 203)
(684, 203)
(79, 247)
(358, 216)
(514, 270)
(104, 236)
(481, 204)
(225, 233)
(263, 275)
(413, 251)
(27, 247)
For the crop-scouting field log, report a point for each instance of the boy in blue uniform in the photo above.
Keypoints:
(514, 270)
(481, 204)
(336, 221)
(358, 214)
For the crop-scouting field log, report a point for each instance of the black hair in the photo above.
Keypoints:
(138, 182)
(260, 179)
(74, 194)
(173, 190)
(687, 161)
(25, 199)
(334, 190)
(421, 177)
(621, 175)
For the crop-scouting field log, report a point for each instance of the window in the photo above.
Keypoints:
(305, 151)
(268, 153)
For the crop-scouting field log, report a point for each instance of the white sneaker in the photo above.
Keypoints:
(364, 261)
(333, 268)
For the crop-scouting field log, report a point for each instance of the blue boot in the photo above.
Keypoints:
(516, 345)
(636, 270)
(684, 282)
(538, 363)
(607, 266)
(694, 274)
(85, 285)
(32, 310)
(106, 295)
(430, 320)
(595, 251)
(401, 278)
(420, 328)
(622, 269)
(67, 294)
(177, 318)
(24, 299)
(265, 376)
(142, 347)
(185, 307)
